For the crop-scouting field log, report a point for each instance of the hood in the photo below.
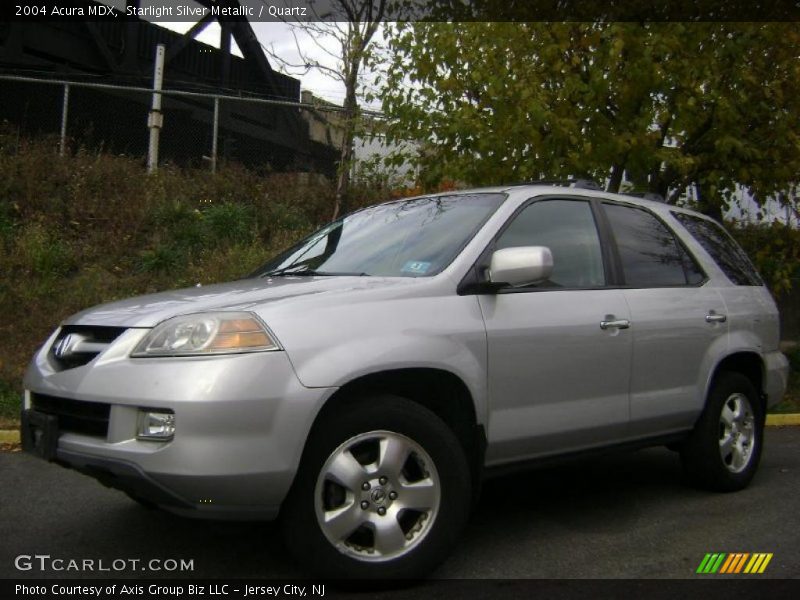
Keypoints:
(244, 294)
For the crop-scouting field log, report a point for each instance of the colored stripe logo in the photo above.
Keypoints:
(734, 563)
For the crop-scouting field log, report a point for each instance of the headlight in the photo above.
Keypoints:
(207, 333)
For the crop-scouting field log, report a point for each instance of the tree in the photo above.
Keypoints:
(663, 106)
(353, 40)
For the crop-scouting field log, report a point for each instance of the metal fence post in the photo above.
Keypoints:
(155, 117)
(214, 136)
(62, 145)
(155, 120)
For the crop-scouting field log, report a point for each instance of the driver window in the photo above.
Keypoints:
(567, 227)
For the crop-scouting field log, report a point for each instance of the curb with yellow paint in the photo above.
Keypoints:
(781, 419)
(11, 436)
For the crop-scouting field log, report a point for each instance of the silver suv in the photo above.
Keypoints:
(361, 384)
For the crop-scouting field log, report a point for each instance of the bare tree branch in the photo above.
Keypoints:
(354, 41)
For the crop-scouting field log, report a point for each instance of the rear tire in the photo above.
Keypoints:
(383, 491)
(724, 449)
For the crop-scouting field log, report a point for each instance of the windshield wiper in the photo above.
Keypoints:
(313, 273)
(310, 273)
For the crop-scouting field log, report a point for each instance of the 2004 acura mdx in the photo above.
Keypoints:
(361, 383)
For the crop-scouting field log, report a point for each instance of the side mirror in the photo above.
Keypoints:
(521, 266)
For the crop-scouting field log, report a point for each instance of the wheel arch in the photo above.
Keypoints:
(747, 363)
(441, 391)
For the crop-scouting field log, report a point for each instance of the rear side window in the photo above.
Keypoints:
(730, 258)
(650, 254)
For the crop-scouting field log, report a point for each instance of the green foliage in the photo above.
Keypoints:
(89, 228)
(775, 250)
(670, 105)
(162, 259)
(373, 173)
(42, 252)
(7, 224)
(10, 401)
(794, 359)
(228, 222)
(232, 262)
(182, 225)
(286, 216)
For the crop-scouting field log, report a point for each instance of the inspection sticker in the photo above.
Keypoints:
(416, 267)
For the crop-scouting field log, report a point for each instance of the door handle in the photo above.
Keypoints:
(616, 324)
(713, 317)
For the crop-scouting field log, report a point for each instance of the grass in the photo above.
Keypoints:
(10, 404)
(92, 227)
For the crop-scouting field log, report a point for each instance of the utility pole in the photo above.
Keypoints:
(214, 136)
(155, 119)
(62, 146)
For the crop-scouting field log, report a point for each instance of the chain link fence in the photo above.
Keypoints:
(199, 129)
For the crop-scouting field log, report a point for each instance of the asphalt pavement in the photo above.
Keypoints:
(621, 516)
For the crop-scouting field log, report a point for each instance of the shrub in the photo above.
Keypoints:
(775, 250)
(93, 227)
(228, 222)
(162, 259)
(794, 359)
(42, 252)
(7, 224)
(178, 224)
(9, 401)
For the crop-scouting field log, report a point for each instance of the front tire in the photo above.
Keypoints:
(383, 491)
(724, 449)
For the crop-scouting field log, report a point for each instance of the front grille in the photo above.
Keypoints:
(84, 344)
(75, 416)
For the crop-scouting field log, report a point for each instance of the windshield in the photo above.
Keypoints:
(408, 238)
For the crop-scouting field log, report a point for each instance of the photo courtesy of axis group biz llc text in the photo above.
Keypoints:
(169, 590)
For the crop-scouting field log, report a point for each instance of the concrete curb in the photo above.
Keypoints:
(783, 419)
(11, 436)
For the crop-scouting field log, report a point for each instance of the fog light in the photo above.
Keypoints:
(156, 425)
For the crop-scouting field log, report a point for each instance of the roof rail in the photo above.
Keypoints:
(585, 184)
(646, 196)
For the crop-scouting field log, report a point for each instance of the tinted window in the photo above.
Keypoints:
(566, 227)
(730, 258)
(408, 238)
(650, 254)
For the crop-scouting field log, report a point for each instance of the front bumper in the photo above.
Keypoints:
(241, 424)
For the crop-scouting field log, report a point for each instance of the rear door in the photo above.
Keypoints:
(677, 319)
(558, 381)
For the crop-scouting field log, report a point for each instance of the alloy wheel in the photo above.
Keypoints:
(736, 432)
(377, 496)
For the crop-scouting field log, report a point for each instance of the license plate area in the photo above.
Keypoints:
(39, 434)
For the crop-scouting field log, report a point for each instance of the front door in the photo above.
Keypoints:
(559, 351)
